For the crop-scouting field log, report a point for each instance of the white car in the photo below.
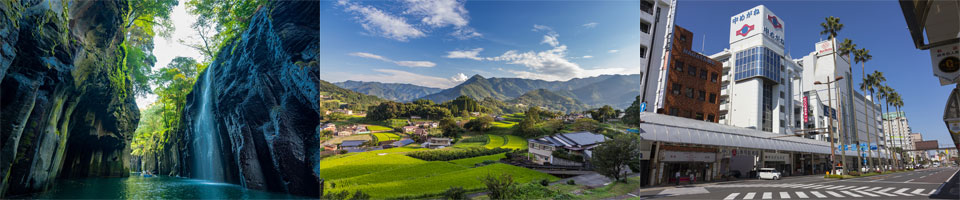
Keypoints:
(769, 173)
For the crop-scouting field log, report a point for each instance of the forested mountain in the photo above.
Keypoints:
(550, 100)
(614, 90)
(333, 96)
(393, 91)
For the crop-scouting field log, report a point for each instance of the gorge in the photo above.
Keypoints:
(68, 112)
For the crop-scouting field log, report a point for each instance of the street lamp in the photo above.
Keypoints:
(833, 147)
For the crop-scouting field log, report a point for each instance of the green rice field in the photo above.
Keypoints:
(385, 136)
(495, 141)
(378, 128)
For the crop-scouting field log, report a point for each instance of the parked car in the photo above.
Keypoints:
(839, 171)
(769, 173)
(731, 175)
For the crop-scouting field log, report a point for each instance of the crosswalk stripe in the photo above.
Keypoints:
(866, 193)
(767, 195)
(884, 193)
(900, 192)
(834, 194)
(830, 187)
(821, 187)
(918, 191)
(861, 188)
(749, 195)
(732, 196)
(874, 188)
(848, 187)
(839, 188)
(802, 195)
(815, 193)
(784, 195)
(851, 193)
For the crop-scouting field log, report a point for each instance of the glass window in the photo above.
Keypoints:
(713, 77)
(643, 52)
(703, 74)
(679, 66)
(692, 70)
(713, 98)
(710, 117)
(676, 88)
(699, 116)
(689, 92)
(674, 111)
(645, 27)
(702, 95)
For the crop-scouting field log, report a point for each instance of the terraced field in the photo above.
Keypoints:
(385, 136)
(389, 175)
(515, 142)
(495, 141)
(378, 128)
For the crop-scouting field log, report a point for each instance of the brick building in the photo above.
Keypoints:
(693, 82)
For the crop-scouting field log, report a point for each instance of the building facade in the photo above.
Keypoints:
(693, 81)
(899, 128)
(656, 17)
(757, 74)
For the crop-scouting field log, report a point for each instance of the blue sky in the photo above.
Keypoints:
(441, 44)
(876, 25)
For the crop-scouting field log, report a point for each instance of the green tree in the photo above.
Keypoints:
(450, 128)
(632, 116)
(501, 187)
(612, 157)
(219, 21)
(479, 124)
(147, 18)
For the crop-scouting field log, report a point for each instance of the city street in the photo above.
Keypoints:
(919, 184)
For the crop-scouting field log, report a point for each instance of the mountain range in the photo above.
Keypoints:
(393, 91)
(575, 94)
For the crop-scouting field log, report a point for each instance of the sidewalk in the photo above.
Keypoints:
(949, 189)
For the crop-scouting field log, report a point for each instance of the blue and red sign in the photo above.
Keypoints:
(773, 20)
(745, 30)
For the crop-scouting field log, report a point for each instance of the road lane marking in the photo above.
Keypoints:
(815, 193)
(861, 188)
(732, 196)
(749, 195)
(918, 191)
(888, 189)
(784, 195)
(874, 188)
(908, 181)
(851, 193)
(834, 194)
(767, 195)
(833, 187)
(866, 193)
(900, 192)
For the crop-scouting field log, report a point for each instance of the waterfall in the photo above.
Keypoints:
(206, 144)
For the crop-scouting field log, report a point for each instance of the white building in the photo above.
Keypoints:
(757, 74)
(899, 129)
(656, 18)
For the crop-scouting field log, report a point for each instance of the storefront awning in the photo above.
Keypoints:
(665, 128)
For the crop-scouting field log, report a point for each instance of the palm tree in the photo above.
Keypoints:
(862, 56)
(831, 26)
(883, 94)
(847, 47)
(897, 102)
(875, 79)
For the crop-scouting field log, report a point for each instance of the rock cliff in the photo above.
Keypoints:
(65, 104)
(265, 103)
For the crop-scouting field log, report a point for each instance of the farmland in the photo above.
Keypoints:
(380, 137)
(495, 141)
(385, 174)
(378, 128)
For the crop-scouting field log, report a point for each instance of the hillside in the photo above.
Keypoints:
(550, 100)
(334, 96)
(615, 90)
(392, 91)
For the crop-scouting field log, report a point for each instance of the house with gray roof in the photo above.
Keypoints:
(565, 148)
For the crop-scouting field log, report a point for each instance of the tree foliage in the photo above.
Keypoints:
(586, 124)
(219, 21)
(632, 116)
(146, 19)
(447, 155)
(499, 187)
(612, 157)
(482, 123)
(450, 128)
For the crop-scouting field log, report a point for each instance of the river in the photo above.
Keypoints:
(137, 187)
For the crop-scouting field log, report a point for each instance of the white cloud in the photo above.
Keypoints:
(397, 76)
(587, 56)
(401, 63)
(460, 77)
(441, 13)
(590, 25)
(464, 33)
(551, 40)
(613, 51)
(416, 63)
(378, 22)
(370, 55)
(468, 54)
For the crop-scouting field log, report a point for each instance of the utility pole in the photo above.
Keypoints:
(833, 146)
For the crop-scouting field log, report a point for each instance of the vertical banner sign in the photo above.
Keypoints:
(805, 113)
(665, 61)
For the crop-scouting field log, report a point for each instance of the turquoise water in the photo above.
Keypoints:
(136, 187)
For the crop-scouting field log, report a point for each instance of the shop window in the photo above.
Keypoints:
(713, 98)
(674, 111)
(702, 95)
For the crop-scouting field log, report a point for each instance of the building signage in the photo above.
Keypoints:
(806, 115)
(825, 47)
(776, 157)
(687, 156)
(731, 152)
(946, 63)
(754, 21)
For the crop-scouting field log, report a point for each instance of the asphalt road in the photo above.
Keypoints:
(919, 184)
